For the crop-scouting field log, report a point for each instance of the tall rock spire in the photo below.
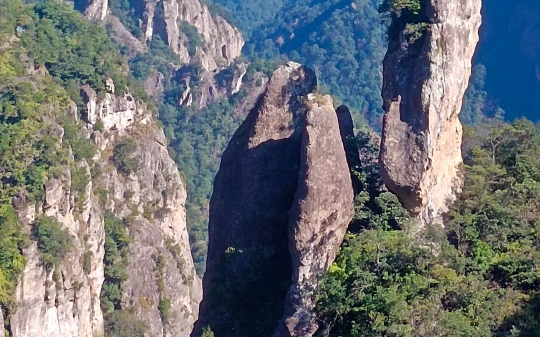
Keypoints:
(426, 72)
(282, 202)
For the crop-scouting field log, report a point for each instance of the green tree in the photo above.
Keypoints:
(54, 242)
(124, 324)
(123, 155)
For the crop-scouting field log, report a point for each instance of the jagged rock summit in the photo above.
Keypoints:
(282, 202)
(424, 80)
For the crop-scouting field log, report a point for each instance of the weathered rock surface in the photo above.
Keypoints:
(123, 37)
(223, 42)
(320, 215)
(96, 9)
(424, 83)
(154, 86)
(288, 147)
(65, 301)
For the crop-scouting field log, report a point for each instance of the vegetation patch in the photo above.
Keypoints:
(123, 323)
(12, 241)
(193, 38)
(478, 278)
(54, 242)
(124, 155)
(164, 305)
(116, 261)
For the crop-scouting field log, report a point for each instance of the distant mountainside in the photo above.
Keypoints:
(343, 41)
(93, 233)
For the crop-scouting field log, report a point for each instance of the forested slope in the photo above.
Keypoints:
(479, 278)
(343, 41)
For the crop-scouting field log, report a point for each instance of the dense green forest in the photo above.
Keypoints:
(479, 278)
(343, 41)
(508, 48)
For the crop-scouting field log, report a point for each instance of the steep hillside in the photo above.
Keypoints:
(478, 278)
(93, 226)
(249, 16)
(186, 54)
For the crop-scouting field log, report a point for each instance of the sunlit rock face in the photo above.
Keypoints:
(65, 300)
(222, 42)
(424, 81)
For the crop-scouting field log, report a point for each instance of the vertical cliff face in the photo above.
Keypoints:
(66, 300)
(282, 201)
(173, 20)
(426, 71)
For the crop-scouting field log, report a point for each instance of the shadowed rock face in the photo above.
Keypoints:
(346, 129)
(277, 215)
(424, 83)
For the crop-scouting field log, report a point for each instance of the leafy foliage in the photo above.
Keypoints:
(476, 104)
(116, 260)
(207, 332)
(477, 279)
(12, 261)
(123, 155)
(401, 7)
(123, 323)
(342, 40)
(193, 38)
(197, 138)
(164, 305)
(249, 15)
(54, 242)
(30, 154)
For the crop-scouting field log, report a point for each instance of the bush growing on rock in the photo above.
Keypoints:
(53, 241)
(122, 323)
(123, 155)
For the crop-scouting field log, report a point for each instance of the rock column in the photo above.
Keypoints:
(426, 72)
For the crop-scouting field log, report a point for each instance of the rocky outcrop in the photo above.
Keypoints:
(279, 161)
(154, 86)
(426, 71)
(175, 21)
(223, 42)
(113, 112)
(154, 195)
(320, 215)
(95, 9)
(123, 37)
(65, 301)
